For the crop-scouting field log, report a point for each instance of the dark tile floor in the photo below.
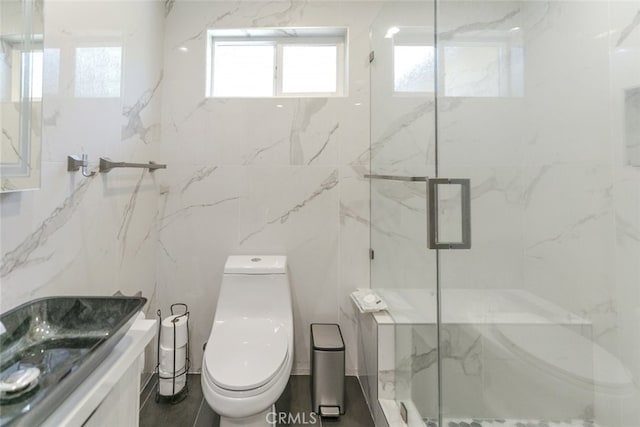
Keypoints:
(296, 400)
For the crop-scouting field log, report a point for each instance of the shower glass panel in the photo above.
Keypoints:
(403, 270)
(538, 105)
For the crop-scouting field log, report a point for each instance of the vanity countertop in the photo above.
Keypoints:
(79, 406)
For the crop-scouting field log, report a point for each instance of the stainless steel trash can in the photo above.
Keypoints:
(327, 370)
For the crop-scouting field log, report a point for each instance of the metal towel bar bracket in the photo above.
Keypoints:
(106, 165)
(74, 163)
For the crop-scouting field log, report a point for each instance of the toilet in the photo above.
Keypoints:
(248, 357)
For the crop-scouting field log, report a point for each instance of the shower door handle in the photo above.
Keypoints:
(462, 237)
(434, 230)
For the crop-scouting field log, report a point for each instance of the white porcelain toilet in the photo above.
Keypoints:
(249, 354)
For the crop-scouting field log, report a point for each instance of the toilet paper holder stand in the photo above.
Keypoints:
(174, 397)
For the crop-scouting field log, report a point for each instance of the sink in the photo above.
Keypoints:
(49, 346)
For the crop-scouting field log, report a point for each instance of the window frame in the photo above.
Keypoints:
(279, 42)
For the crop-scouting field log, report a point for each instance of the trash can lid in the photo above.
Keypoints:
(326, 337)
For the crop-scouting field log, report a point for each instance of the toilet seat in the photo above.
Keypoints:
(245, 354)
(238, 394)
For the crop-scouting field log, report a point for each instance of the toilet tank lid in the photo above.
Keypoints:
(256, 264)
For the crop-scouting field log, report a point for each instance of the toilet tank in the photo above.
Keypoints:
(256, 264)
(255, 287)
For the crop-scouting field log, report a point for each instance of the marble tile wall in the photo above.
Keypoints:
(274, 176)
(94, 235)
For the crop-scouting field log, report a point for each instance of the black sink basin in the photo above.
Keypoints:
(51, 345)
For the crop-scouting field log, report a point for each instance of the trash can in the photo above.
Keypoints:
(327, 370)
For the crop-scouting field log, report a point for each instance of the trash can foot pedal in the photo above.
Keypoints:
(330, 411)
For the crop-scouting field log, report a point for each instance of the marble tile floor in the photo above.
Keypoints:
(296, 399)
(498, 422)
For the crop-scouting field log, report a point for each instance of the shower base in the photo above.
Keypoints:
(499, 422)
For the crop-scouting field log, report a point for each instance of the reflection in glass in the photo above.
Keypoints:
(20, 67)
(482, 69)
(413, 68)
(469, 67)
(309, 69)
(98, 72)
(36, 72)
(5, 74)
(51, 63)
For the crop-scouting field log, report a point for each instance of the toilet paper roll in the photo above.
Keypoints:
(166, 359)
(166, 385)
(166, 333)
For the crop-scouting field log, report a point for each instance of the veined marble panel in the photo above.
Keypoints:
(198, 224)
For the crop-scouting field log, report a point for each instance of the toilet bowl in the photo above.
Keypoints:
(249, 354)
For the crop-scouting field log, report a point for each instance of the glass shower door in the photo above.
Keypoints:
(403, 269)
(538, 105)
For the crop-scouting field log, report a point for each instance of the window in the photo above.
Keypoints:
(264, 62)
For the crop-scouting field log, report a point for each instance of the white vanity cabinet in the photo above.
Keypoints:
(110, 396)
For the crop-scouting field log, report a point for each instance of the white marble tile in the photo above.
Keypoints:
(198, 225)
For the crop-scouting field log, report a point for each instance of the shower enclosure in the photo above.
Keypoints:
(505, 211)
